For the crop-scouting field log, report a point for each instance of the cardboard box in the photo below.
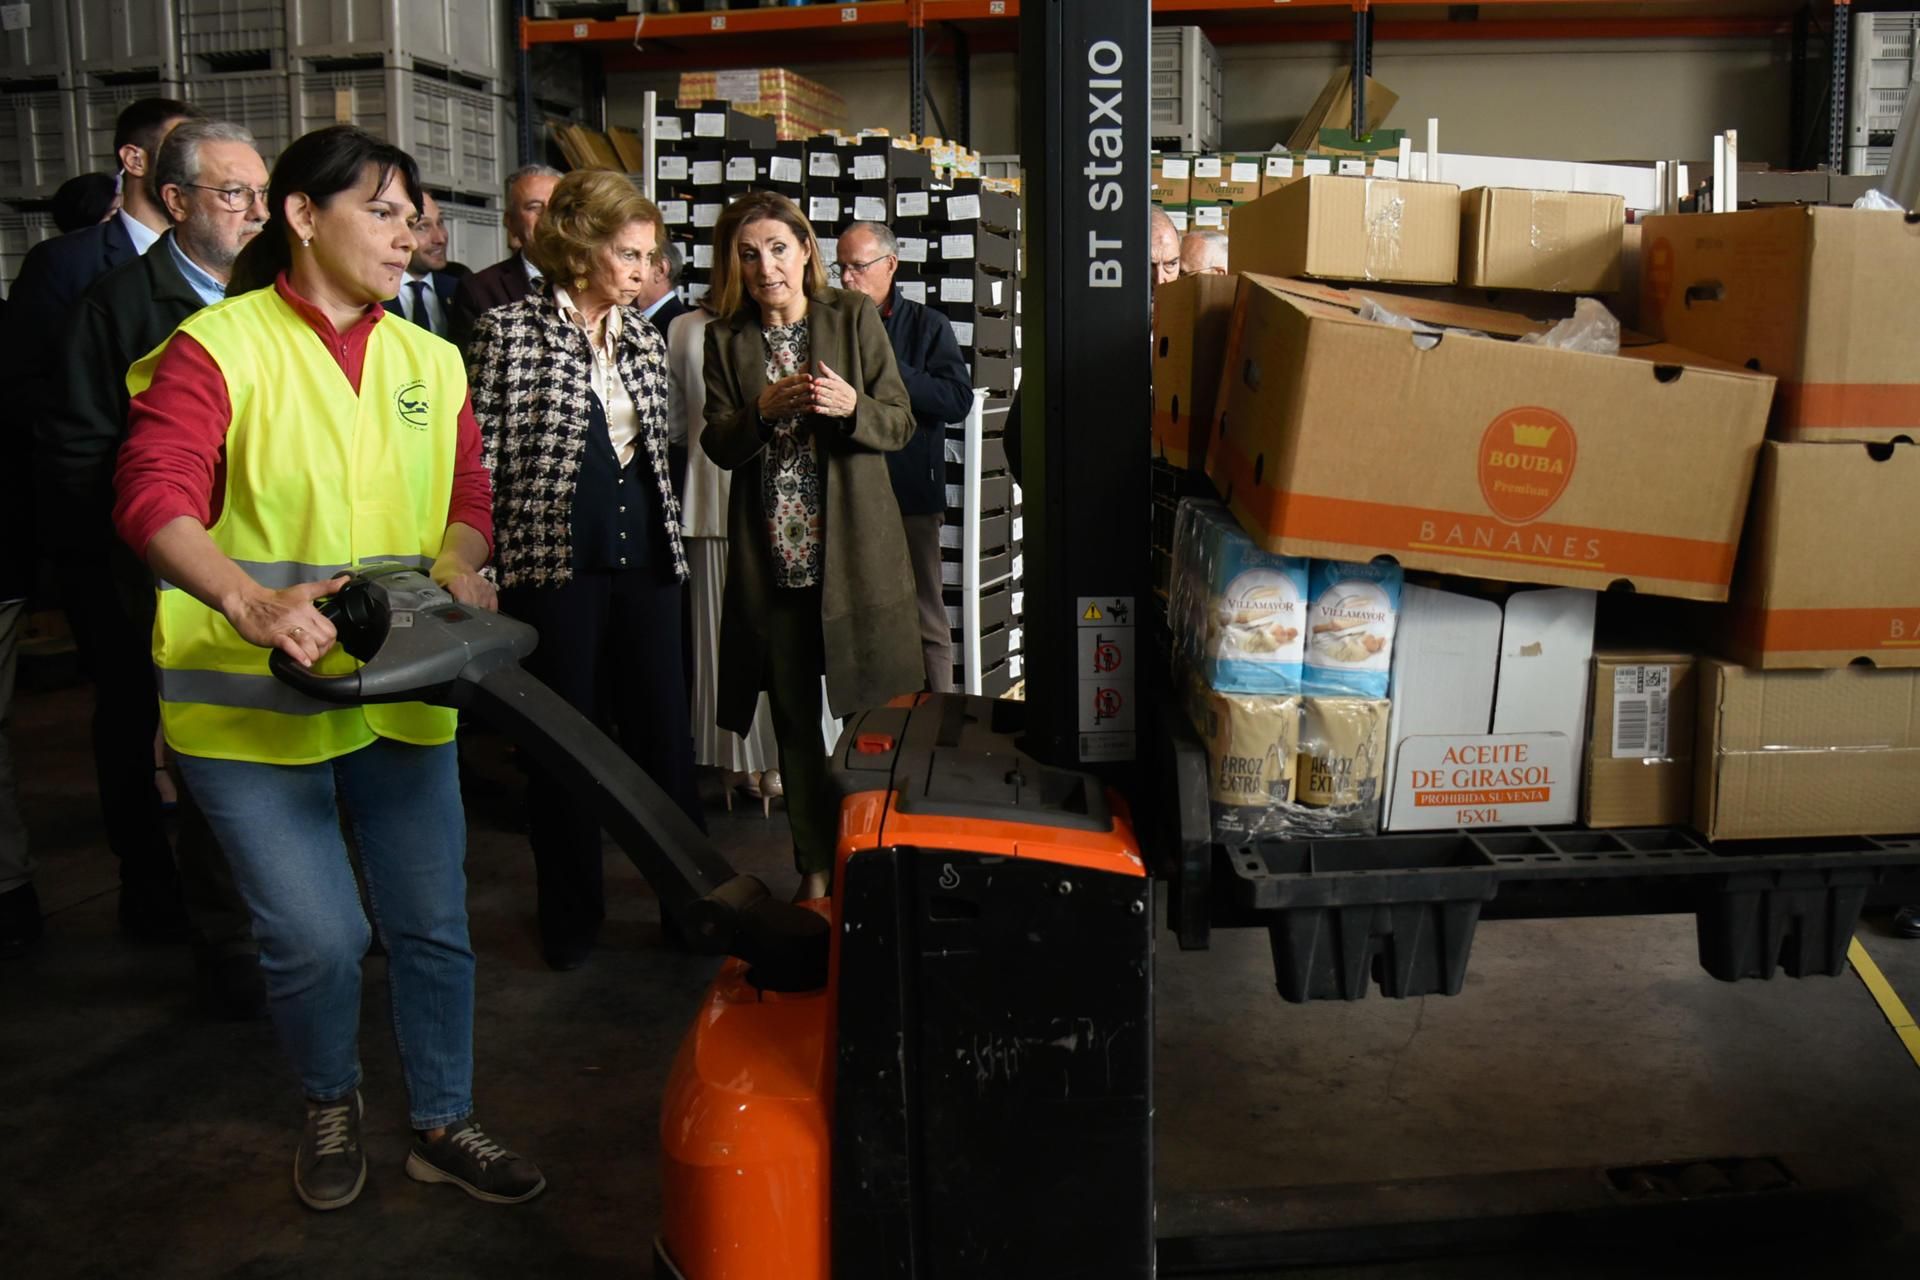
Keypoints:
(1552, 241)
(1342, 439)
(1238, 182)
(1190, 317)
(1830, 569)
(1333, 108)
(1639, 770)
(1172, 178)
(1489, 709)
(1277, 172)
(1807, 753)
(1353, 229)
(1823, 299)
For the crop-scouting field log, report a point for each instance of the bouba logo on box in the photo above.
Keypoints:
(1526, 460)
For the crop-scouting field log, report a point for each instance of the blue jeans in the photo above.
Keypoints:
(280, 826)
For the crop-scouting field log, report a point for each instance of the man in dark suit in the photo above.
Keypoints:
(426, 293)
(940, 385)
(511, 279)
(32, 356)
(660, 300)
(214, 187)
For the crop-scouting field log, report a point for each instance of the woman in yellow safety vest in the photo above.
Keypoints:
(292, 430)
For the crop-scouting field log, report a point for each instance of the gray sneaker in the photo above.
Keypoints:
(479, 1166)
(329, 1168)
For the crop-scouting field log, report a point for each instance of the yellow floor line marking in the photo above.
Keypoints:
(1889, 1000)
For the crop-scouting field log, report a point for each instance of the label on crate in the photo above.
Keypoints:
(823, 164)
(1313, 165)
(708, 173)
(709, 124)
(1445, 782)
(703, 255)
(823, 208)
(705, 215)
(870, 208)
(1245, 172)
(957, 289)
(1640, 712)
(869, 168)
(963, 208)
(1206, 166)
(956, 246)
(995, 290)
(1016, 338)
(1386, 168)
(963, 333)
(737, 86)
(740, 169)
(675, 212)
(914, 291)
(667, 129)
(1279, 166)
(1176, 168)
(912, 249)
(671, 168)
(912, 204)
(784, 169)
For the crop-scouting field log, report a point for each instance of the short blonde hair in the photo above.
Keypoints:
(588, 208)
(725, 289)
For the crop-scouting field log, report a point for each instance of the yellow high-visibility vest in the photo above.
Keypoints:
(317, 478)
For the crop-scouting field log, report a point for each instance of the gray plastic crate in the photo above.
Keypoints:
(224, 28)
(38, 49)
(453, 133)
(39, 143)
(100, 106)
(19, 232)
(461, 35)
(475, 235)
(260, 100)
(119, 36)
(1188, 88)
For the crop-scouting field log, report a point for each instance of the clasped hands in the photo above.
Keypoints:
(826, 393)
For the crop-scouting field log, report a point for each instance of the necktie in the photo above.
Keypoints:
(421, 316)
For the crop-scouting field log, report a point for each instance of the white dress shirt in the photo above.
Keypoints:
(435, 312)
(143, 236)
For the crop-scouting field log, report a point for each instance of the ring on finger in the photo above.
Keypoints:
(299, 631)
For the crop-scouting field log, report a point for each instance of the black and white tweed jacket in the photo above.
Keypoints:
(529, 372)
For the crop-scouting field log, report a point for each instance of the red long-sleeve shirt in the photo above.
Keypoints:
(174, 460)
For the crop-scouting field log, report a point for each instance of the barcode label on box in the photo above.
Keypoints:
(1206, 167)
(911, 204)
(667, 129)
(870, 208)
(912, 249)
(963, 208)
(1641, 697)
(962, 333)
(869, 168)
(674, 212)
(1175, 169)
(703, 256)
(824, 208)
(671, 168)
(705, 215)
(709, 124)
(823, 164)
(708, 173)
(740, 169)
(1245, 172)
(957, 289)
(956, 246)
(1279, 166)
(914, 291)
(1314, 165)
(783, 169)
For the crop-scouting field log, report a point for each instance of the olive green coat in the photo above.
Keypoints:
(869, 616)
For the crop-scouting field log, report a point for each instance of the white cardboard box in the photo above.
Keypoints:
(1489, 709)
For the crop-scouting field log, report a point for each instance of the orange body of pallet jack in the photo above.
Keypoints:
(746, 1123)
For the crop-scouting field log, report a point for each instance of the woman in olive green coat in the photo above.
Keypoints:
(803, 399)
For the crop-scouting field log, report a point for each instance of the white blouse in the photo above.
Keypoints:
(623, 420)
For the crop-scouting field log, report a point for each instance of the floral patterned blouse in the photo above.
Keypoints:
(790, 478)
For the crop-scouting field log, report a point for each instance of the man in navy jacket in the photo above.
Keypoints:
(941, 387)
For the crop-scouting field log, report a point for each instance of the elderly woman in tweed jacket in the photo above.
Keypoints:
(570, 389)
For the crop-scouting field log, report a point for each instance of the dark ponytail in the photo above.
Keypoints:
(319, 165)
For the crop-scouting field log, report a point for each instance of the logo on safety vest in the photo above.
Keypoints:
(410, 402)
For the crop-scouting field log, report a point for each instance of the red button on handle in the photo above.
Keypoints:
(873, 744)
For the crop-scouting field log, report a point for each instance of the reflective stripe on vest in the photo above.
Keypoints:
(317, 478)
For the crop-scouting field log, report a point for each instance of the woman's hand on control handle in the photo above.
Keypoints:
(286, 620)
(832, 395)
(785, 398)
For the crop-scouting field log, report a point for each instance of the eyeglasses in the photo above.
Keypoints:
(238, 199)
(855, 268)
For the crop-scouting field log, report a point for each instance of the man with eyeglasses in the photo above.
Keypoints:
(52, 277)
(426, 291)
(213, 185)
(941, 388)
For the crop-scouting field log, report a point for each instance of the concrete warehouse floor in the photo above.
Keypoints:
(138, 1138)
